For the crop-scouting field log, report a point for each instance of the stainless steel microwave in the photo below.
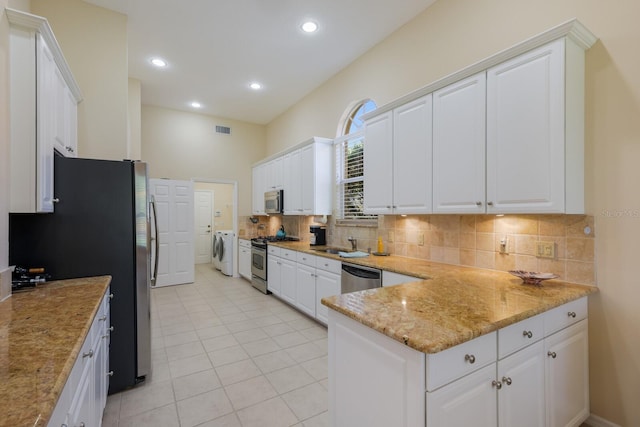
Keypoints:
(273, 202)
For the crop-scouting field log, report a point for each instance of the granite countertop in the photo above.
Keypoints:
(453, 305)
(41, 332)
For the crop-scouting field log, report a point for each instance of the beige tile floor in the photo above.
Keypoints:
(223, 354)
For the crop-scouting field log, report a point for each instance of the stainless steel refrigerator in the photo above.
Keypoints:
(101, 226)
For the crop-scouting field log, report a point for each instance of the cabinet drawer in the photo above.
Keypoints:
(565, 315)
(274, 250)
(455, 362)
(331, 265)
(244, 243)
(519, 335)
(306, 259)
(288, 254)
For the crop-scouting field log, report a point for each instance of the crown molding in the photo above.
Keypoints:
(571, 29)
(40, 25)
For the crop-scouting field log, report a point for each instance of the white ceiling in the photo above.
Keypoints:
(215, 48)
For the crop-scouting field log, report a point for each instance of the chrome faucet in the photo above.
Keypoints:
(354, 243)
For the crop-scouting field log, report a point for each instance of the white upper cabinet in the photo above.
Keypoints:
(258, 189)
(526, 132)
(459, 146)
(292, 166)
(305, 176)
(507, 135)
(412, 157)
(316, 165)
(378, 164)
(397, 160)
(274, 174)
(43, 110)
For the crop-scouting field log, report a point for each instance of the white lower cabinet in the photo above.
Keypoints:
(302, 280)
(521, 396)
(84, 395)
(469, 401)
(567, 376)
(244, 258)
(327, 284)
(306, 289)
(288, 280)
(517, 377)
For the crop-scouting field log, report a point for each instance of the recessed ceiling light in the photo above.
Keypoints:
(196, 104)
(159, 62)
(255, 86)
(309, 27)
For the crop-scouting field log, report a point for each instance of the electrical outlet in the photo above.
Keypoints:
(421, 239)
(504, 245)
(546, 250)
(391, 237)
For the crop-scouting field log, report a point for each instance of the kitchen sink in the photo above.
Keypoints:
(333, 251)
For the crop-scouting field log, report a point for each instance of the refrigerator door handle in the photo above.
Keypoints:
(154, 277)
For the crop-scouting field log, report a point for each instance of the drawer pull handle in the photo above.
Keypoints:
(507, 380)
(87, 354)
(572, 314)
(110, 373)
(56, 200)
(496, 384)
(478, 203)
(552, 354)
(110, 329)
(110, 296)
(103, 318)
(82, 424)
(527, 334)
(470, 358)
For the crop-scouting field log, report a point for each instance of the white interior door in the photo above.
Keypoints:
(175, 225)
(203, 226)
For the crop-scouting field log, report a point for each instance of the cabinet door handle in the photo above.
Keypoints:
(103, 318)
(572, 314)
(110, 373)
(507, 380)
(490, 203)
(56, 200)
(478, 203)
(87, 354)
(552, 354)
(527, 334)
(470, 358)
(496, 384)
(110, 329)
(110, 296)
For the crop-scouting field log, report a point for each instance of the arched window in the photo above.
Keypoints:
(350, 164)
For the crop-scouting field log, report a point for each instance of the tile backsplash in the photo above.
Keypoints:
(468, 240)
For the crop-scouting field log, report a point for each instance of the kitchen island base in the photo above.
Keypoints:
(492, 380)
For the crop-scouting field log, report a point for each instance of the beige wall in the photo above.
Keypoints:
(94, 43)
(134, 146)
(181, 145)
(222, 202)
(455, 33)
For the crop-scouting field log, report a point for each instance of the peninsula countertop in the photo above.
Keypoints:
(41, 333)
(454, 304)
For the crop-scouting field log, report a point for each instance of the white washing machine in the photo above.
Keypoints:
(225, 251)
(217, 236)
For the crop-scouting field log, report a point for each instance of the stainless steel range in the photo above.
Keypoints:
(259, 260)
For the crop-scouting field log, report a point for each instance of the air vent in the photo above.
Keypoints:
(223, 129)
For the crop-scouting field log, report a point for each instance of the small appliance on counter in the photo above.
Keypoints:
(28, 277)
(318, 235)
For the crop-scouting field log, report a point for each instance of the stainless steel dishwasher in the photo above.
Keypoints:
(357, 278)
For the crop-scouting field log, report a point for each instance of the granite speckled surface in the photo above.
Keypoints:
(455, 304)
(41, 333)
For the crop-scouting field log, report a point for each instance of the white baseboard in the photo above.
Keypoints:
(596, 421)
